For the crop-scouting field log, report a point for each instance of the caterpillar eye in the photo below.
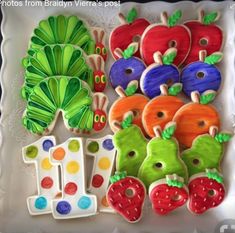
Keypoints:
(103, 119)
(97, 79)
(104, 51)
(97, 117)
(98, 50)
(103, 79)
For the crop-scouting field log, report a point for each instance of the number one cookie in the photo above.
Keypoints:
(104, 153)
(75, 202)
(47, 175)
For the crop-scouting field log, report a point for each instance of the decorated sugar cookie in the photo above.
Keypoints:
(82, 111)
(127, 68)
(205, 35)
(203, 160)
(130, 30)
(195, 118)
(202, 75)
(103, 151)
(46, 174)
(161, 109)
(161, 72)
(156, 171)
(160, 37)
(130, 144)
(75, 202)
(126, 196)
(128, 101)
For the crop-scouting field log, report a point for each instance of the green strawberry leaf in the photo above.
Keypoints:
(175, 89)
(213, 58)
(207, 98)
(215, 176)
(168, 132)
(168, 59)
(127, 122)
(174, 18)
(174, 183)
(118, 176)
(209, 18)
(131, 16)
(130, 90)
(223, 137)
(127, 53)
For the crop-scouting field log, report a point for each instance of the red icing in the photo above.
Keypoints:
(200, 199)
(166, 198)
(212, 33)
(47, 182)
(101, 47)
(123, 35)
(97, 181)
(99, 125)
(99, 85)
(159, 37)
(70, 188)
(130, 207)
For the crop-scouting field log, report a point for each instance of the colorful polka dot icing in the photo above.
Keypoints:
(47, 175)
(104, 157)
(75, 202)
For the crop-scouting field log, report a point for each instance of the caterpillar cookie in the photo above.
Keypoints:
(203, 160)
(82, 111)
(127, 68)
(205, 35)
(202, 75)
(195, 118)
(161, 72)
(126, 196)
(130, 30)
(130, 144)
(128, 102)
(161, 109)
(165, 35)
(163, 172)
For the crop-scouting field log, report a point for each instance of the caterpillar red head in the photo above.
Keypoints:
(99, 36)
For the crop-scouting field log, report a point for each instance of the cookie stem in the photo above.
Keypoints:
(157, 57)
(119, 90)
(213, 131)
(122, 18)
(157, 131)
(195, 96)
(202, 55)
(164, 89)
(201, 14)
(164, 18)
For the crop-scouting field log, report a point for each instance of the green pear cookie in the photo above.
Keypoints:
(162, 157)
(130, 144)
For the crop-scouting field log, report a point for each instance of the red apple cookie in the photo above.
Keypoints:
(205, 35)
(130, 30)
(160, 37)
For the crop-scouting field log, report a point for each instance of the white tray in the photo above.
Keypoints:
(17, 180)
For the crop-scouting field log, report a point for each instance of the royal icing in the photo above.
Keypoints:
(161, 72)
(130, 30)
(160, 37)
(202, 75)
(103, 151)
(75, 202)
(46, 174)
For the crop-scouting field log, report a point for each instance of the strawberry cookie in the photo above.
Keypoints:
(165, 35)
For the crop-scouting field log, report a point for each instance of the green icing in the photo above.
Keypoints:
(93, 147)
(168, 132)
(53, 60)
(131, 149)
(207, 97)
(210, 18)
(128, 53)
(169, 58)
(162, 160)
(205, 153)
(223, 137)
(174, 183)
(175, 89)
(59, 93)
(215, 176)
(31, 152)
(131, 90)
(127, 122)
(74, 146)
(118, 176)
(131, 16)
(174, 18)
(213, 58)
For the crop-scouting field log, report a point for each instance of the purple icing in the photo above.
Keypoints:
(157, 76)
(125, 70)
(108, 144)
(200, 76)
(63, 207)
(47, 144)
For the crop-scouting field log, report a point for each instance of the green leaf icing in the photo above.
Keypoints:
(215, 176)
(175, 89)
(127, 122)
(128, 53)
(169, 58)
(213, 58)
(118, 176)
(130, 90)
(209, 18)
(174, 183)
(223, 137)
(174, 18)
(131, 16)
(168, 132)
(207, 98)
